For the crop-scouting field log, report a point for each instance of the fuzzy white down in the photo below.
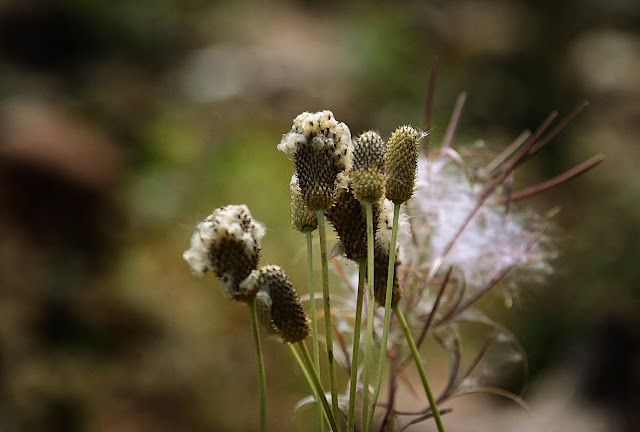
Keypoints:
(224, 222)
(320, 130)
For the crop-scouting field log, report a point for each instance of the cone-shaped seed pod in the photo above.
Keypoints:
(367, 175)
(348, 218)
(401, 162)
(381, 266)
(279, 302)
(227, 243)
(321, 149)
(302, 217)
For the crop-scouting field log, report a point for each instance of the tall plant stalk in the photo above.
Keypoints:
(421, 372)
(261, 374)
(355, 357)
(370, 316)
(309, 372)
(387, 309)
(314, 319)
(327, 313)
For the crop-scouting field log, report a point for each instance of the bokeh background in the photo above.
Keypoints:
(122, 124)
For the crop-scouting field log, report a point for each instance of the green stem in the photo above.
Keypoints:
(327, 312)
(314, 319)
(318, 386)
(362, 265)
(387, 308)
(307, 375)
(261, 375)
(418, 362)
(370, 316)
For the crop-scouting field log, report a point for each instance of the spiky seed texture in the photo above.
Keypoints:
(321, 149)
(278, 303)
(227, 243)
(367, 175)
(348, 218)
(302, 217)
(381, 267)
(401, 162)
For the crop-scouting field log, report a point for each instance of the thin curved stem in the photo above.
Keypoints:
(314, 319)
(327, 312)
(362, 266)
(387, 309)
(308, 370)
(370, 316)
(261, 374)
(418, 362)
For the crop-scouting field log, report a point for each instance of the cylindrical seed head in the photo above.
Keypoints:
(321, 149)
(279, 303)
(367, 176)
(401, 163)
(227, 243)
(302, 217)
(348, 218)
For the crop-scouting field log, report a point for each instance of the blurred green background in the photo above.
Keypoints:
(122, 124)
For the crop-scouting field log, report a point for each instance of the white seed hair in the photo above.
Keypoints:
(385, 222)
(320, 130)
(232, 221)
(249, 283)
(491, 242)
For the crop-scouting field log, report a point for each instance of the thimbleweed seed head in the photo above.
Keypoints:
(227, 243)
(279, 303)
(401, 161)
(302, 217)
(381, 266)
(347, 216)
(321, 149)
(367, 176)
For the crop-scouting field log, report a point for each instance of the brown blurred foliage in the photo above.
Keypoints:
(121, 125)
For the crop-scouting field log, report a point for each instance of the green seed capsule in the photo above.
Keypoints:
(368, 151)
(367, 176)
(401, 163)
(302, 217)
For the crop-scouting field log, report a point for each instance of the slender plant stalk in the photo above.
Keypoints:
(307, 376)
(317, 385)
(314, 319)
(387, 309)
(327, 312)
(370, 315)
(362, 265)
(261, 375)
(418, 362)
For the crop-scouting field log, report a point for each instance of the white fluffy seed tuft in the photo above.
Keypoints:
(320, 130)
(233, 222)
